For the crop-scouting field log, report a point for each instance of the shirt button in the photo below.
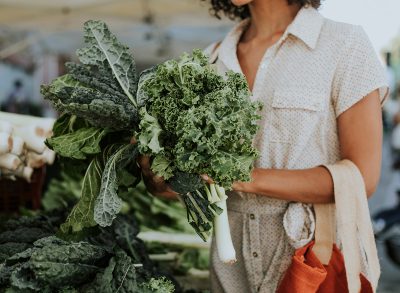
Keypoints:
(252, 216)
(255, 254)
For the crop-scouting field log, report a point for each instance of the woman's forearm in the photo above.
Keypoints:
(312, 185)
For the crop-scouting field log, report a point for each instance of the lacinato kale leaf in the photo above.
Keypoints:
(78, 144)
(104, 50)
(101, 90)
(82, 214)
(109, 262)
(108, 204)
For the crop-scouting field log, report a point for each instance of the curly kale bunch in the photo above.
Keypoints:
(197, 121)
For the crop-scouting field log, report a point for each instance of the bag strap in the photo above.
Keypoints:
(353, 224)
(324, 231)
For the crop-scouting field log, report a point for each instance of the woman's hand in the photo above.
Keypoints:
(156, 185)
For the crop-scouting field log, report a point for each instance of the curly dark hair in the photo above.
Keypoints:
(226, 7)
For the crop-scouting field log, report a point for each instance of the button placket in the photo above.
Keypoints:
(255, 246)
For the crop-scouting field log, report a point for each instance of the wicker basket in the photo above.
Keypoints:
(19, 193)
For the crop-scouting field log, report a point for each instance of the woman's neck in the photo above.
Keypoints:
(269, 18)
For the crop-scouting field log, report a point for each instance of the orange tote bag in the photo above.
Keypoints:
(307, 274)
(320, 267)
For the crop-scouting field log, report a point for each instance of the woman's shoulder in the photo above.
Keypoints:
(344, 34)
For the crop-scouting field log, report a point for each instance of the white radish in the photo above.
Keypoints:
(6, 126)
(22, 172)
(25, 172)
(6, 142)
(46, 124)
(32, 140)
(10, 161)
(17, 146)
(49, 155)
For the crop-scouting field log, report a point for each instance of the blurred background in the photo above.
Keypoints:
(38, 37)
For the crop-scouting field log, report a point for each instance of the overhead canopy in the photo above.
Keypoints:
(156, 29)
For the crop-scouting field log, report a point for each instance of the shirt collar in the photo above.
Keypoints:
(306, 26)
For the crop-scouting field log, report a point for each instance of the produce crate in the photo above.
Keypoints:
(19, 193)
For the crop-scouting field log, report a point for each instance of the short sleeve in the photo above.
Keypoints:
(359, 72)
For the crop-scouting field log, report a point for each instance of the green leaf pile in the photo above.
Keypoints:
(113, 260)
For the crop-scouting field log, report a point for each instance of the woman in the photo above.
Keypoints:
(322, 87)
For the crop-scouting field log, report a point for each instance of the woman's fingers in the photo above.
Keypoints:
(207, 179)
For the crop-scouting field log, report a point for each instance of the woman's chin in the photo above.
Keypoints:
(241, 2)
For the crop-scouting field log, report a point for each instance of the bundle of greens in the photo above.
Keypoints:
(186, 116)
(113, 260)
(194, 122)
(97, 99)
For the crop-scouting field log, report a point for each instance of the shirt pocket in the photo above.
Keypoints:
(296, 115)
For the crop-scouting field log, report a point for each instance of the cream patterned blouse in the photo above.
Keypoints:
(316, 71)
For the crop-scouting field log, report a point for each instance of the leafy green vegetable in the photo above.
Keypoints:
(208, 123)
(104, 49)
(153, 213)
(184, 183)
(82, 214)
(62, 192)
(78, 144)
(100, 263)
(108, 204)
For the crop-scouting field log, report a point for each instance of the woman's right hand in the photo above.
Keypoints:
(156, 185)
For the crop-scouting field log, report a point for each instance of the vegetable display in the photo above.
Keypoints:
(112, 261)
(182, 113)
(22, 146)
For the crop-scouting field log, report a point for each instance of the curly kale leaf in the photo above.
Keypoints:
(201, 122)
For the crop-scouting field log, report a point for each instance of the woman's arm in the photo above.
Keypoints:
(360, 137)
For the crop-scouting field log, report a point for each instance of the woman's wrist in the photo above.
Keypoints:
(250, 186)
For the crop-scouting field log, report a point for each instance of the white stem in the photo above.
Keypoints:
(49, 155)
(6, 142)
(214, 193)
(35, 160)
(22, 120)
(24, 172)
(18, 145)
(10, 162)
(31, 138)
(6, 127)
(226, 251)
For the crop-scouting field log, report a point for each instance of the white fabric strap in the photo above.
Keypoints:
(353, 223)
(324, 231)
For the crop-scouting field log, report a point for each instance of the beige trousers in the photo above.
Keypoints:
(262, 247)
